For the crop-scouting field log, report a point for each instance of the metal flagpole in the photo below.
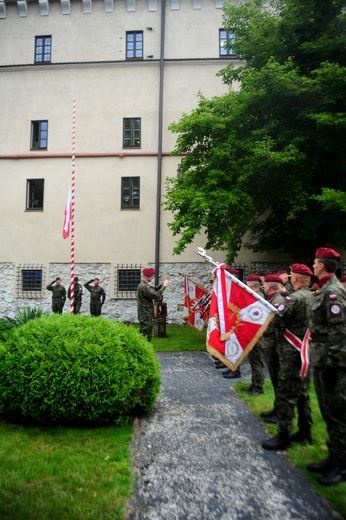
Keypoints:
(201, 252)
(73, 174)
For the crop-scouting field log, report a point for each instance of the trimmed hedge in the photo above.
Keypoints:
(76, 370)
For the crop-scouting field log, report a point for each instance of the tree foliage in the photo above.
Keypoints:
(264, 165)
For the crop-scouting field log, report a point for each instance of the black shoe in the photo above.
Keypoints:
(226, 371)
(268, 414)
(323, 467)
(232, 375)
(218, 364)
(333, 477)
(277, 443)
(301, 436)
(255, 390)
(273, 419)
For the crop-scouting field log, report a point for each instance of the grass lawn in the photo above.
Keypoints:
(85, 473)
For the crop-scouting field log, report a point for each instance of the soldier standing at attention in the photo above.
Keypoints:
(77, 299)
(328, 358)
(291, 322)
(272, 288)
(58, 296)
(256, 355)
(146, 294)
(97, 296)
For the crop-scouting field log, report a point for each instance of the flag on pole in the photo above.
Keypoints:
(67, 215)
(195, 303)
(237, 318)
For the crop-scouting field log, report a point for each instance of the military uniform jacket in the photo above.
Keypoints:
(77, 292)
(275, 299)
(97, 294)
(294, 313)
(328, 325)
(145, 297)
(59, 292)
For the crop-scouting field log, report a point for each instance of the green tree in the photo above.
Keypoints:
(264, 166)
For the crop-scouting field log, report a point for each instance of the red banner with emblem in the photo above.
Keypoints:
(237, 318)
(196, 304)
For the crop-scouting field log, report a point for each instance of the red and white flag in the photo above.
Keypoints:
(195, 302)
(67, 215)
(237, 318)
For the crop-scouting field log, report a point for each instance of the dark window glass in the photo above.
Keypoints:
(43, 49)
(31, 280)
(134, 45)
(132, 132)
(225, 37)
(34, 194)
(39, 135)
(130, 191)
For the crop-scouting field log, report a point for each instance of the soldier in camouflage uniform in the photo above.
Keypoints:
(328, 358)
(286, 284)
(77, 298)
(272, 288)
(58, 296)
(293, 390)
(146, 294)
(255, 356)
(97, 296)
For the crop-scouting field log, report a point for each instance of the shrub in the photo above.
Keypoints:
(22, 316)
(76, 370)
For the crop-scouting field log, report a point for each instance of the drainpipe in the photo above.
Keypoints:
(159, 145)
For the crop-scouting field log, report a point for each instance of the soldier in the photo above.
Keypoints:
(256, 355)
(58, 296)
(328, 358)
(77, 299)
(97, 296)
(145, 296)
(272, 288)
(292, 322)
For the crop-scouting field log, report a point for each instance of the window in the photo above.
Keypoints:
(30, 281)
(126, 280)
(134, 45)
(226, 39)
(132, 132)
(43, 49)
(39, 135)
(34, 194)
(130, 192)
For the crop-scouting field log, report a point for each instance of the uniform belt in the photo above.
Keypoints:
(319, 338)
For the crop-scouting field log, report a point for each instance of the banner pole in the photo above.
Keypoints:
(73, 179)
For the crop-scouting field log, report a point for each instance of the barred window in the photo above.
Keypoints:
(126, 280)
(30, 281)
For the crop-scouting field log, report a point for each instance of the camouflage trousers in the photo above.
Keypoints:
(95, 308)
(57, 306)
(146, 328)
(272, 361)
(293, 391)
(332, 404)
(256, 363)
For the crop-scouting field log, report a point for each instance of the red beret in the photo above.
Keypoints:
(273, 278)
(342, 279)
(148, 271)
(232, 270)
(253, 278)
(282, 272)
(301, 269)
(325, 252)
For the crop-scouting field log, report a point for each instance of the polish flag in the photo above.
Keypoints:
(67, 215)
(237, 319)
(194, 309)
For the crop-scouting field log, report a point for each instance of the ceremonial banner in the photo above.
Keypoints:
(67, 216)
(196, 299)
(237, 319)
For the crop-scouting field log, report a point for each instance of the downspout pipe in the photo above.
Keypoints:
(159, 144)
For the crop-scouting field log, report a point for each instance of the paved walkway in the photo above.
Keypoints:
(198, 454)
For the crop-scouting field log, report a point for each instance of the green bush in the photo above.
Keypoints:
(22, 316)
(76, 370)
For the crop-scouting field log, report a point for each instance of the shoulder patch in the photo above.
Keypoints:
(281, 307)
(335, 309)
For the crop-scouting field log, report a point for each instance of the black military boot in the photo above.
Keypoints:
(333, 477)
(268, 414)
(302, 435)
(280, 442)
(323, 467)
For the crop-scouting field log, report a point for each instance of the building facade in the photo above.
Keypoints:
(131, 67)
